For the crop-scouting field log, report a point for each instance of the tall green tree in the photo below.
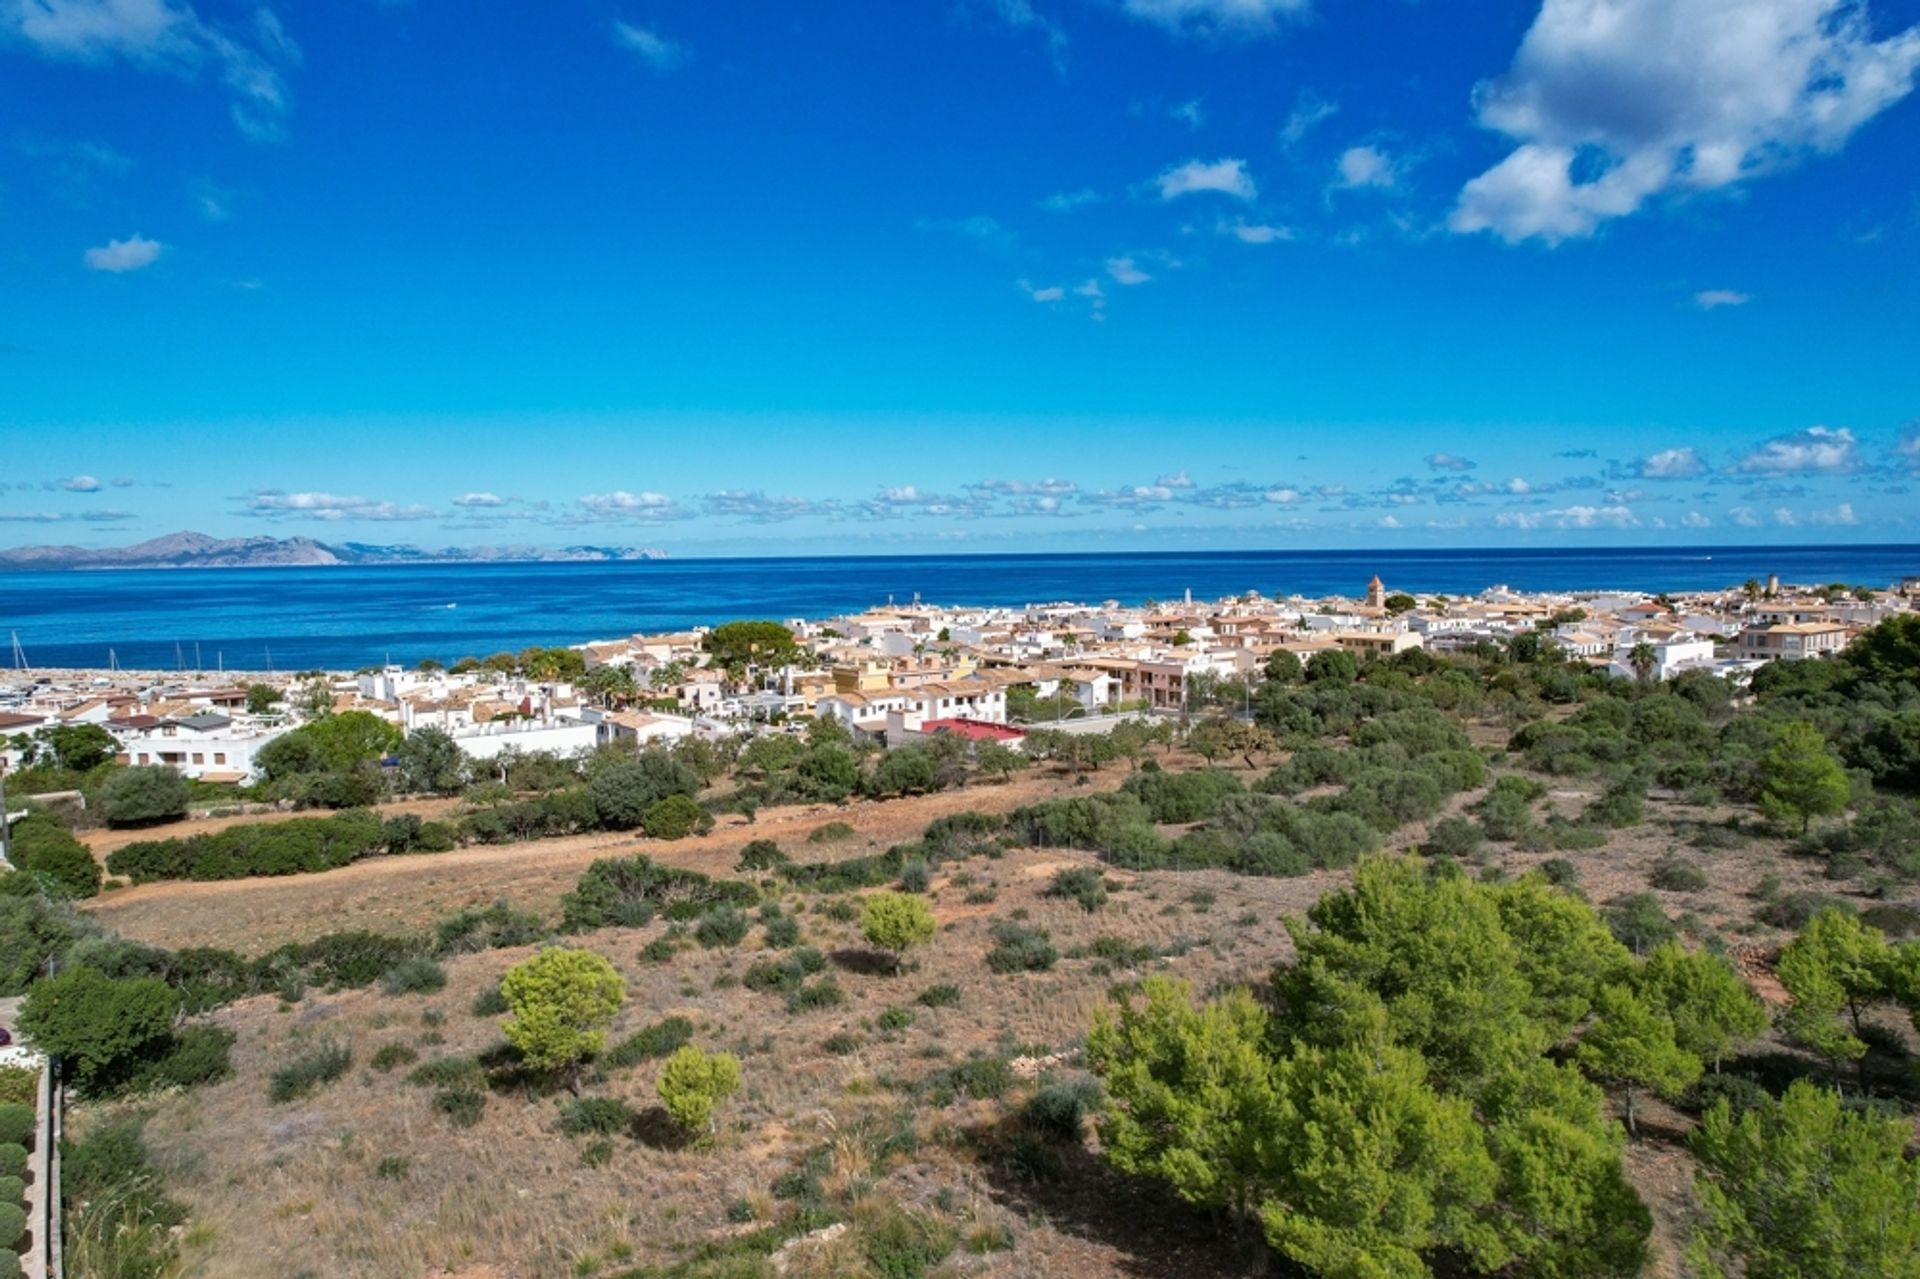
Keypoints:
(1711, 1009)
(563, 1002)
(431, 761)
(1800, 778)
(1805, 1188)
(750, 643)
(1631, 1043)
(1836, 972)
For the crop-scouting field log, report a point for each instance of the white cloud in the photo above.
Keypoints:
(480, 500)
(1786, 518)
(1449, 462)
(758, 508)
(1310, 110)
(1021, 15)
(1615, 101)
(1126, 271)
(1714, 299)
(80, 484)
(1215, 17)
(1744, 517)
(121, 256)
(1096, 298)
(1283, 496)
(1256, 233)
(1908, 449)
(1694, 519)
(1814, 450)
(1367, 166)
(331, 507)
(1518, 486)
(1177, 480)
(1189, 113)
(1570, 517)
(1388, 521)
(980, 227)
(158, 35)
(1670, 464)
(1049, 293)
(1841, 514)
(622, 505)
(1227, 176)
(1068, 201)
(65, 517)
(654, 49)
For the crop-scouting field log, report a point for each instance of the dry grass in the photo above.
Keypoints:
(295, 1190)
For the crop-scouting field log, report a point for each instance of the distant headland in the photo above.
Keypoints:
(198, 550)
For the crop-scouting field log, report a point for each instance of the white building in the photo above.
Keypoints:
(207, 747)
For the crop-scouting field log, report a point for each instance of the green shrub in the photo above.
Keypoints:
(840, 1044)
(490, 1002)
(1083, 884)
(1638, 922)
(600, 1116)
(142, 794)
(13, 1223)
(16, 1125)
(44, 848)
(323, 1064)
(1794, 910)
(786, 973)
(899, 1244)
(1018, 948)
(782, 931)
(13, 1160)
(721, 926)
(193, 1055)
(980, 1077)
(1452, 837)
(940, 996)
(12, 1190)
(416, 976)
(101, 1027)
(1060, 1110)
(629, 891)
(392, 1056)
(449, 1072)
(657, 1040)
(19, 1084)
(831, 833)
(487, 928)
(761, 854)
(463, 1106)
(676, 817)
(915, 877)
(9, 1264)
(894, 1019)
(824, 993)
(1677, 875)
(392, 1168)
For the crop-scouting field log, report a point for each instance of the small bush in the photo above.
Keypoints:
(894, 1019)
(13, 1222)
(1059, 1110)
(782, 931)
(915, 877)
(463, 1106)
(600, 1116)
(1560, 872)
(786, 973)
(392, 1168)
(1638, 922)
(840, 1044)
(676, 817)
(1453, 837)
(490, 1002)
(761, 854)
(721, 926)
(393, 1056)
(196, 1055)
(13, 1160)
(903, 1245)
(448, 1072)
(1677, 875)
(984, 1078)
(940, 996)
(1019, 948)
(831, 833)
(19, 1084)
(418, 976)
(16, 1124)
(1083, 884)
(657, 1040)
(1795, 909)
(303, 1074)
(825, 993)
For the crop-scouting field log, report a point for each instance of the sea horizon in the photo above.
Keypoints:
(349, 616)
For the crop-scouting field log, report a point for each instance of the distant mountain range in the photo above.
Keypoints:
(197, 550)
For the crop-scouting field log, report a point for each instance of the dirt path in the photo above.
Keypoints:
(396, 894)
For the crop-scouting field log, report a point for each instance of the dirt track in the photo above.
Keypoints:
(408, 893)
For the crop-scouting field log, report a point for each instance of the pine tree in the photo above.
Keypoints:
(1800, 778)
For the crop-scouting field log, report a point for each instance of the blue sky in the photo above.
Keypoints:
(967, 274)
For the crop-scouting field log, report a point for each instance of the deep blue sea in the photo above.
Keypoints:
(345, 617)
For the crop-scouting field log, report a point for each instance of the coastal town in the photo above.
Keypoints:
(900, 674)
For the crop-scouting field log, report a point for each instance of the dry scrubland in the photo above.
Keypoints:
(365, 1177)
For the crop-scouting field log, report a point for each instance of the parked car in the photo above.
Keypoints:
(5, 1037)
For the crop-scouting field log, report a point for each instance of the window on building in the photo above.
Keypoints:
(219, 757)
(198, 758)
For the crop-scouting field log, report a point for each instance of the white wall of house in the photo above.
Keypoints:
(559, 737)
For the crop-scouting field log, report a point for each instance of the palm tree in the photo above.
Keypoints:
(1643, 660)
